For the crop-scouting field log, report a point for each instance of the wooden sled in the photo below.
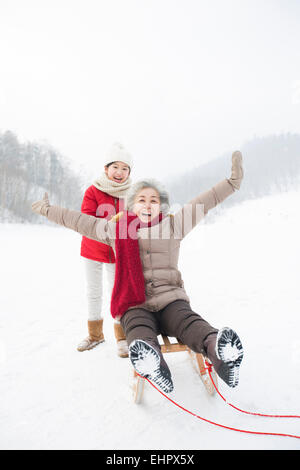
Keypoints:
(198, 361)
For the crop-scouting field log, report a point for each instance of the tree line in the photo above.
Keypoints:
(29, 169)
(271, 165)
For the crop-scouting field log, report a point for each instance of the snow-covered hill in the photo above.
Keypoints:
(241, 271)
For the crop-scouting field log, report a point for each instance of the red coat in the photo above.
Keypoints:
(93, 198)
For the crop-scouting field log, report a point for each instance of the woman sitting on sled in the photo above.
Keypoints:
(148, 295)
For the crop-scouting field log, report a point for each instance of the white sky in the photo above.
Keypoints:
(178, 82)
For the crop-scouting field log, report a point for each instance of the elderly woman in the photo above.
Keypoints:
(148, 296)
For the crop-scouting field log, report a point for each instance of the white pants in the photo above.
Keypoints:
(94, 286)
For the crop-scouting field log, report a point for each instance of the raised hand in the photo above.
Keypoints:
(237, 172)
(41, 207)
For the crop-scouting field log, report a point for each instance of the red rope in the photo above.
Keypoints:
(209, 369)
(218, 424)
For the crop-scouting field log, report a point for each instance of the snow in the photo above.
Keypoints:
(241, 271)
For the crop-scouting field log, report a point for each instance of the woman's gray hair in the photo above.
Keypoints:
(149, 183)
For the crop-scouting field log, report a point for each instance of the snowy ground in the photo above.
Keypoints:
(241, 271)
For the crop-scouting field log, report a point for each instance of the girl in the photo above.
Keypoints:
(104, 199)
(148, 293)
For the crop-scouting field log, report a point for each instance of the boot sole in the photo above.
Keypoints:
(146, 362)
(229, 349)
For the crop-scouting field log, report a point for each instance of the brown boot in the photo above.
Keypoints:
(95, 329)
(122, 347)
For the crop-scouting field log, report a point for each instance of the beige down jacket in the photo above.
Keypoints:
(159, 245)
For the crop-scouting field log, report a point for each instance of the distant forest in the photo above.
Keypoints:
(271, 165)
(27, 170)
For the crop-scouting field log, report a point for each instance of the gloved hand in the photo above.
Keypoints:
(237, 172)
(41, 207)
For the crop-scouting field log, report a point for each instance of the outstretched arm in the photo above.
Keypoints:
(87, 225)
(193, 212)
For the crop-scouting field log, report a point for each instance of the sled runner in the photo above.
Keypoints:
(198, 361)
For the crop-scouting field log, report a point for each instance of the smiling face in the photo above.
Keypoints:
(147, 204)
(117, 171)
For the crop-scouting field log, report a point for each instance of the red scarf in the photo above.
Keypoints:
(129, 286)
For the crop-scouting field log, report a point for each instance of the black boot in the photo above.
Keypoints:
(148, 361)
(225, 351)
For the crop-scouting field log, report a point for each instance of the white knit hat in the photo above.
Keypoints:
(118, 153)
